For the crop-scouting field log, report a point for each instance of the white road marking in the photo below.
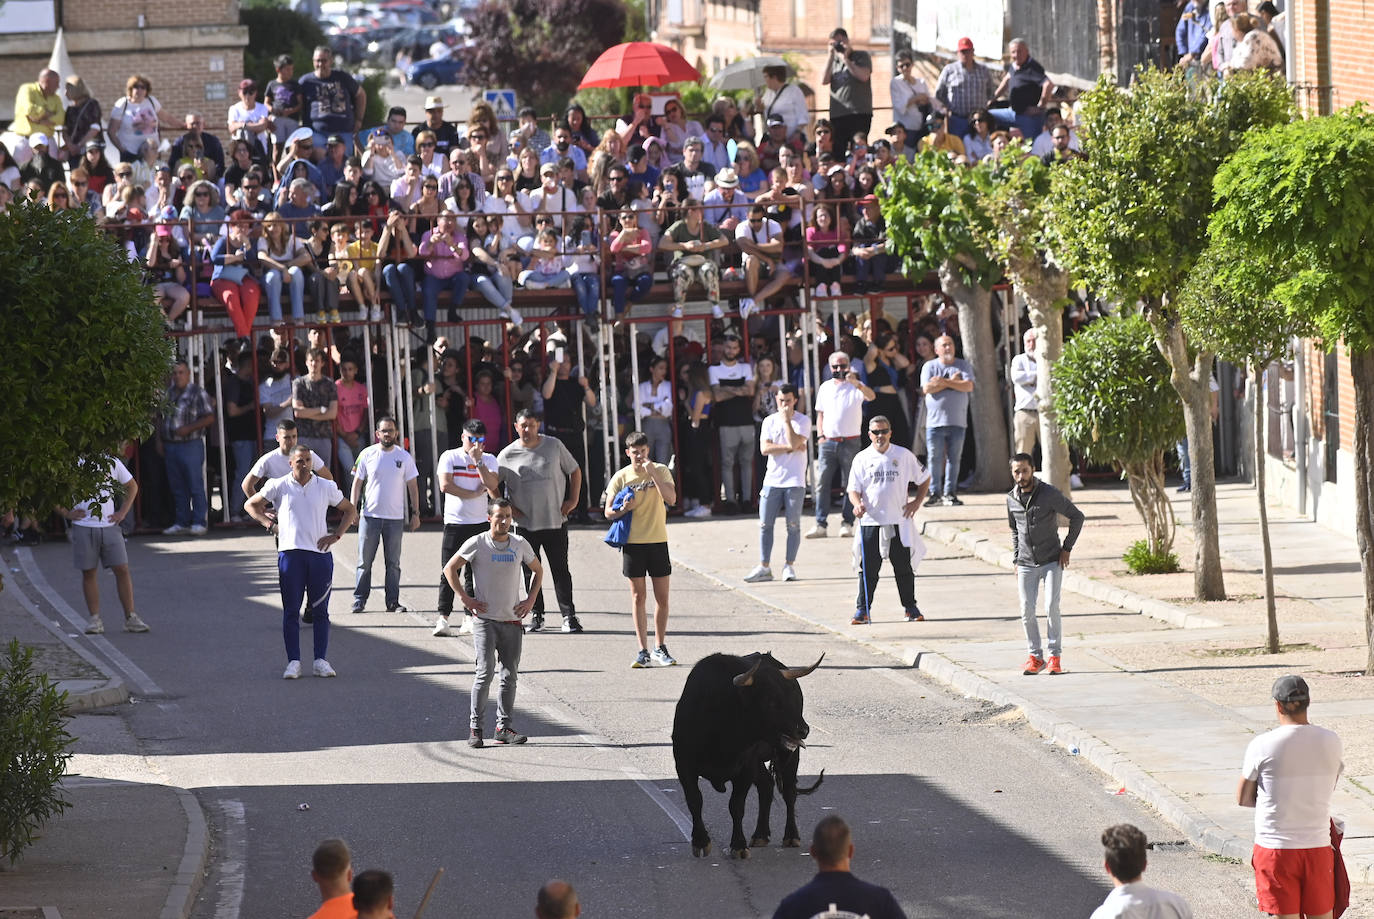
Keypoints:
(233, 846)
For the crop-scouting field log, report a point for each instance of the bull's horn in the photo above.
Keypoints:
(796, 673)
(747, 679)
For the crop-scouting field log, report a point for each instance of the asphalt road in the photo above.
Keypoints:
(960, 809)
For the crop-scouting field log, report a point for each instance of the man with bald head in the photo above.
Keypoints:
(38, 107)
(557, 900)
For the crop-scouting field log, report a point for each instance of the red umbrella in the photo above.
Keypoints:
(639, 63)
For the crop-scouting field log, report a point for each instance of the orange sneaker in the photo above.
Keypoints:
(1054, 665)
(1033, 665)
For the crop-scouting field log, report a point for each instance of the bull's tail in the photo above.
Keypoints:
(806, 791)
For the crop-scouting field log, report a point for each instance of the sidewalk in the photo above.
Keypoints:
(150, 866)
(1161, 693)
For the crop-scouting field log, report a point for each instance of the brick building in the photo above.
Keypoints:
(191, 53)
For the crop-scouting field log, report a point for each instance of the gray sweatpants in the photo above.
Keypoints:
(737, 444)
(492, 641)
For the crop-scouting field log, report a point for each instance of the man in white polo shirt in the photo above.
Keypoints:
(304, 565)
(276, 463)
(465, 474)
(96, 538)
(783, 440)
(383, 475)
(878, 484)
(839, 432)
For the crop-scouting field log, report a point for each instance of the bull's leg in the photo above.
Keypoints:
(739, 794)
(763, 781)
(787, 788)
(691, 793)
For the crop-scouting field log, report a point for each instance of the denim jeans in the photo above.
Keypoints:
(944, 447)
(244, 453)
(458, 283)
(660, 434)
(272, 280)
(587, 288)
(370, 530)
(871, 270)
(833, 459)
(1028, 588)
(1030, 125)
(633, 289)
(1185, 464)
(400, 281)
(186, 477)
(495, 288)
(493, 640)
(772, 501)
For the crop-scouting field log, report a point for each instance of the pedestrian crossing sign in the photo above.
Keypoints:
(502, 102)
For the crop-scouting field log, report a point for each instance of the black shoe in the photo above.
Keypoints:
(508, 734)
(729, 509)
(307, 617)
(571, 625)
(913, 614)
(536, 622)
(935, 501)
(952, 501)
(475, 738)
(1185, 487)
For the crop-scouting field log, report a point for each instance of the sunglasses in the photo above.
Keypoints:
(426, 144)
(479, 138)
(504, 178)
(478, 440)
(78, 182)
(202, 194)
(429, 187)
(880, 432)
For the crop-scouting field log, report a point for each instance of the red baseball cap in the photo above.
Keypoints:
(966, 44)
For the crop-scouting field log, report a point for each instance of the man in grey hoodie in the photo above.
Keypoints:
(1033, 507)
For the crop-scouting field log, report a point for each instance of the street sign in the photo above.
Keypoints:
(502, 102)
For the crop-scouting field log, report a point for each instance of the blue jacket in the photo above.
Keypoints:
(619, 533)
(1190, 36)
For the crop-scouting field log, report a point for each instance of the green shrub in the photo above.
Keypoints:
(33, 750)
(1141, 560)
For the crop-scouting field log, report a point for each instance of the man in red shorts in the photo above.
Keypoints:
(1288, 776)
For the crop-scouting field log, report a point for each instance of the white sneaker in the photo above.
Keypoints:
(466, 627)
(441, 628)
(789, 573)
(134, 624)
(374, 314)
(198, 530)
(532, 284)
(700, 510)
(835, 289)
(821, 291)
(846, 530)
(717, 312)
(175, 529)
(513, 315)
(1075, 481)
(96, 626)
(746, 306)
(322, 668)
(677, 312)
(293, 671)
(817, 532)
(760, 573)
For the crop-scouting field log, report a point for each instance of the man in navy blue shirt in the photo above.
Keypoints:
(1190, 36)
(834, 888)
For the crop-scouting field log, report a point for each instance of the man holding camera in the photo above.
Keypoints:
(849, 74)
(839, 428)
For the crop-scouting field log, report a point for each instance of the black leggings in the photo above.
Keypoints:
(555, 546)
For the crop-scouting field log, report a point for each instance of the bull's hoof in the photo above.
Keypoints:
(739, 853)
(701, 851)
(758, 841)
(791, 842)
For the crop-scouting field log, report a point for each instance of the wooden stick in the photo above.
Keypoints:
(429, 893)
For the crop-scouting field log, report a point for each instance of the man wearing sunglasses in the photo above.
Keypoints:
(465, 474)
(879, 481)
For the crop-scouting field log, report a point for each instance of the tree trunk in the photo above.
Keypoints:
(1043, 303)
(1191, 379)
(1106, 36)
(1362, 375)
(991, 472)
(1146, 483)
(1270, 611)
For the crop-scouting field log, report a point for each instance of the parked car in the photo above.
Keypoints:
(415, 42)
(435, 71)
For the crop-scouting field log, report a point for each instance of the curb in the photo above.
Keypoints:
(113, 692)
(981, 547)
(181, 899)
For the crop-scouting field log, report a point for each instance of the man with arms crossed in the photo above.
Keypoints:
(1288, 775)
(304, 563)
(496, 557)
(465, 474)
(646, 549)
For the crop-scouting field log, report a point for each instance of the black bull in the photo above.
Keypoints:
(736, 716)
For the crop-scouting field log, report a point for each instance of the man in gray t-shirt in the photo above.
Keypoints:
(849, 74)
(947, 382)
(497, 557)
(542, 481)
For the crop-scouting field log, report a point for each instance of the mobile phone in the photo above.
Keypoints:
(558, 355)
(586, 238)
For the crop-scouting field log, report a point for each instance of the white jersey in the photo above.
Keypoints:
(100, 507)
(881, 479)
(384, 474)
(1140, 901)
(301, 510)
(785, 470)
(1296, 766)
(458, 464)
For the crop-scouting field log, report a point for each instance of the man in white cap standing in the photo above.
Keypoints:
(445, 134)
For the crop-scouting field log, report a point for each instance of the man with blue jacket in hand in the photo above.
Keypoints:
(1033, 509)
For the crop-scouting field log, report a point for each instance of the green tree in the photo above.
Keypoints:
(936, 222)
(1016, 234)
(1113, 397)
(34, 750)
(1295, 216)
(86, 357)
(1131, 220)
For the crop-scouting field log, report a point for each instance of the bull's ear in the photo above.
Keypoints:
(747, 679)
(796, 673)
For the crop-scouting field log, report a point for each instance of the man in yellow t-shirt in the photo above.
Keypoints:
(38, 107)
(646, 549)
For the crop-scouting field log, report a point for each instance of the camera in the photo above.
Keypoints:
(838, 373)
(838, 46)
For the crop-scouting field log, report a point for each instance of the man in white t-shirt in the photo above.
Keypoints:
(783, 439)
(878, 486)
(468, 475)
(496, 557)
(760, 241)
(96, 538)
(839, 431)
(1288, 775)
(1130, 899)
(304, 564)
(276, 463)
(383, 475)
